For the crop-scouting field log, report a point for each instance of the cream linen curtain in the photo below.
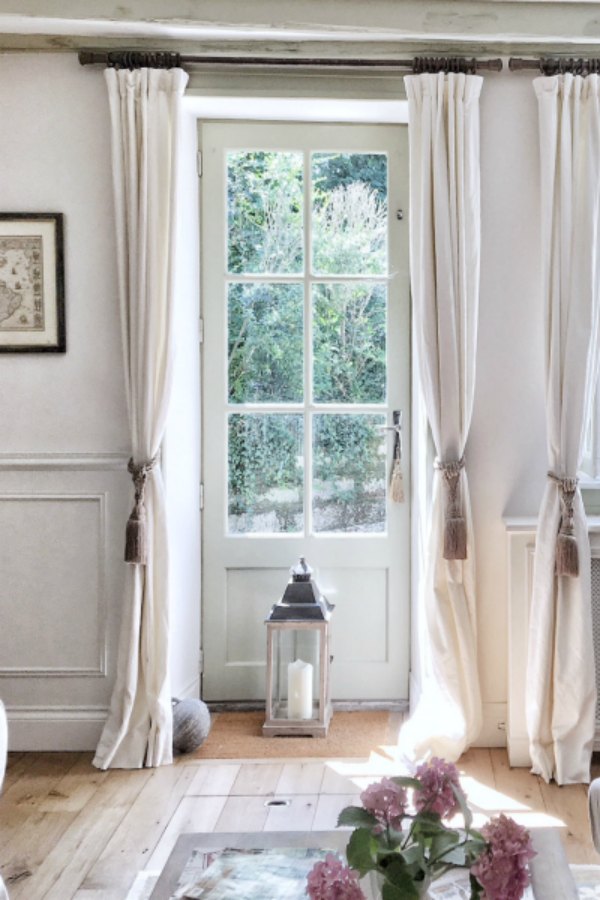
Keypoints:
(144, 111)
(561, 695)
(444, 259)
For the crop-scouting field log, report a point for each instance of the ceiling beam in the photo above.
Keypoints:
(507, 22)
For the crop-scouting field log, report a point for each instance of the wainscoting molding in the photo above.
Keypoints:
(106, 461)
(55, 727)
(97, 666)
(62, 525)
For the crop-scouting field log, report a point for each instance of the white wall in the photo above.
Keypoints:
(55, 156)
(63, 491)
(181, 462)
(506, 450)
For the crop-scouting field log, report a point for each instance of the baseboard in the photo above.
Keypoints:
(79, 728)
(55, 727)
(400, 706)
(493, 730)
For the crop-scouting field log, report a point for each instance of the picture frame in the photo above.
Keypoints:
(32, 284)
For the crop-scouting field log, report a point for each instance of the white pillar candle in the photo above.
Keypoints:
(300, 690)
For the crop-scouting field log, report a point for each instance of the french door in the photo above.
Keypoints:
(305, 359)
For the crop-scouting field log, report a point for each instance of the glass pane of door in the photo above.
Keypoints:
(349, 342)
(349, 213)
(265, 343)
(266, 457)
(265, 212)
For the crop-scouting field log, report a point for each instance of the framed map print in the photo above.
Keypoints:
(32, 311)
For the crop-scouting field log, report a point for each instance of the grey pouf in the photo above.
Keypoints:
(191, 724)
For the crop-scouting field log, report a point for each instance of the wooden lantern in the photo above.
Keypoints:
(298, 695)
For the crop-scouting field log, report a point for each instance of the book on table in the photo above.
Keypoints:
(231, 874)
(280, 874)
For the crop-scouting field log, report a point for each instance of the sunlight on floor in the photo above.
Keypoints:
(484, 801)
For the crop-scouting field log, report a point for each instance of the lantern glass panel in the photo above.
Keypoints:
(295, 686)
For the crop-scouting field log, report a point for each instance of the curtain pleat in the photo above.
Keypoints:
(444, 259)
(561, 693)
(144, 111)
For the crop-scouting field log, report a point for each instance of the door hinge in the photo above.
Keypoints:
(199, 163)
(201, 330)
(201, 496)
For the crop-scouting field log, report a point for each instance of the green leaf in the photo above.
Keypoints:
(357, 817)
(474, 847)
(405, 891)
(443, 843)
(414, 855)
(477, 836)
(406, 782)
(476, 888)
(361, 851)
(462, 802)
(428, 825)
(457, 857)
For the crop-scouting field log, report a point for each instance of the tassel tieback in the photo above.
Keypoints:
(567, 553)
(455, 525)
(136, 546)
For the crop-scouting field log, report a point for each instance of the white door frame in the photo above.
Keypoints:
(245, 104)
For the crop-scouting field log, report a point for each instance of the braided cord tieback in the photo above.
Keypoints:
(567, 552)
(136, 546)
(455, 525)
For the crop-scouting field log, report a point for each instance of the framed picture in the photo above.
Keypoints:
(32, 301)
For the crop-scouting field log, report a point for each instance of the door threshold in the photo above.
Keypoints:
(397, 706)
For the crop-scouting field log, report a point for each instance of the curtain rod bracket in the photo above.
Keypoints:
(556, 65)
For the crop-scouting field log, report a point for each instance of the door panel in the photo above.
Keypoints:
(305, 358)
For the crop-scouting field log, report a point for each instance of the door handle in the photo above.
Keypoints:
(396, 477)
(396, 427)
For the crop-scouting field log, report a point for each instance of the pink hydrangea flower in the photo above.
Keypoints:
(387, 801)
(332, 880)
(502, 869)
(436, 795)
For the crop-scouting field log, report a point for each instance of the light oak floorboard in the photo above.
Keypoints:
(568, 804)
(213, 780)
(243, 814)
(194, 814)
(521, 789)
(300, 778)
(257, 779)
(84, 834)
(16, 766)
(298, 815)
(329, 807)
(132, 843)
(26, 831)
(86, 837)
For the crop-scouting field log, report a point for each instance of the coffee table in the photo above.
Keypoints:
(550, 875)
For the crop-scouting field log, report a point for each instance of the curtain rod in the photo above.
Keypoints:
(556, 65)
(135, 59)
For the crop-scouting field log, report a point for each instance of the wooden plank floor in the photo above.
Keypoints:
(70, 832)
